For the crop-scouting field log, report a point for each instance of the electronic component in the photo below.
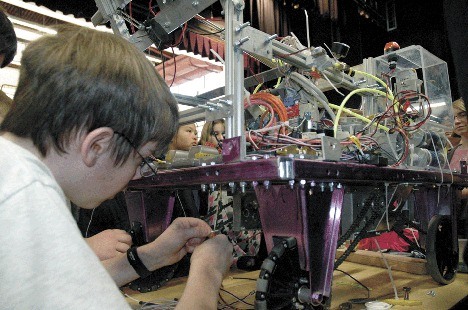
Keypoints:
(392, 58)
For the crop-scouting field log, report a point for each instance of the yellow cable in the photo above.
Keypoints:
(356, 141)
(362, 118)
(257, 88)
(390, 95)
(340, 109)
(278, 83)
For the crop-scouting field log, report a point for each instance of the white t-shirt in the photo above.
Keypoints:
(44, 261)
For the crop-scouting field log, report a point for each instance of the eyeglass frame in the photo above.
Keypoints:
(462, 115)
(145, 162)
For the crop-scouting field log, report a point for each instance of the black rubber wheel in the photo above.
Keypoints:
(281, 278)
(442, 257)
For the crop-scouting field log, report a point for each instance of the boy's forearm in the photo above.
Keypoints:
(122, 272)
(202, 289)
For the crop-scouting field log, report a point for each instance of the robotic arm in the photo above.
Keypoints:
(172, 14)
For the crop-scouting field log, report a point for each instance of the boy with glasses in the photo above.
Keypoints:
(81, 97)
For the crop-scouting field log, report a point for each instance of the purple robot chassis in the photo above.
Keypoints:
(300, 204)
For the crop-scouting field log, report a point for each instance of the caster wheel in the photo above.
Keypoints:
(281, 279)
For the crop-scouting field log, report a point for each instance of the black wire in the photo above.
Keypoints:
(175, 67)
(206, 33)
(164, 67)
(360, 283)
(237, 298)
(240, 278)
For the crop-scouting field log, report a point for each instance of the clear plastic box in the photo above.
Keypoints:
(413, 65)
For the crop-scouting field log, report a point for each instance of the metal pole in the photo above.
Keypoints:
(234, 66)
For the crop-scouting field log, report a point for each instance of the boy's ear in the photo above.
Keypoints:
(96, 143)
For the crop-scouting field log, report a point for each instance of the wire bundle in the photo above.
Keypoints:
(274, 112)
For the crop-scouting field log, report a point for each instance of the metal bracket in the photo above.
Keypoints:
(331, 149)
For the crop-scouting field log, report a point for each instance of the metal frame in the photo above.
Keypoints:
(297, 197)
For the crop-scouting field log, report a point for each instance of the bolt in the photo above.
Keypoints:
(266, 183)
(302, 182)
(270, 38)
(242, 41)
(242, 186)
(407, 290)
(242, 26)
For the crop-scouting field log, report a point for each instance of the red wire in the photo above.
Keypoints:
(132, 27)
(150, 7)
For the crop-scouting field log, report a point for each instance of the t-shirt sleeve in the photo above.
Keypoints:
(46, 264)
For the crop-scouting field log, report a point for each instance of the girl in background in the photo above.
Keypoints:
(213, 134)
(458, 154)
(186, 137)
(220, 203)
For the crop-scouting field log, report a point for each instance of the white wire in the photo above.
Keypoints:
(386, 208)
(156, 304)
(307, 28)
(181, 205)
(89, 224)
(334, 87)
(389, 269)
(438, 161)
(415, 239)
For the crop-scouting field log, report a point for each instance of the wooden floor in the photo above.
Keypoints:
(425, 292)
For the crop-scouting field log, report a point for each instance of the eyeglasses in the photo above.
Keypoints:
(460, 116)
(147, 167)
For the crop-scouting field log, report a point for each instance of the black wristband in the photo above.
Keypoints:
(136, 263)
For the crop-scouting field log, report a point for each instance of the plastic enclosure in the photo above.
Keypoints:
(435, 80)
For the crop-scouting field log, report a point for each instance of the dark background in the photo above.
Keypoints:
(419, 22)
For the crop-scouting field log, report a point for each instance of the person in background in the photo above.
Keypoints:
(187, 201)
(453, 138)
(88, 110)
(459, 152)
(8, 46)
(456, 156)
(219, 214)
(186, 137)
(212, 134)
